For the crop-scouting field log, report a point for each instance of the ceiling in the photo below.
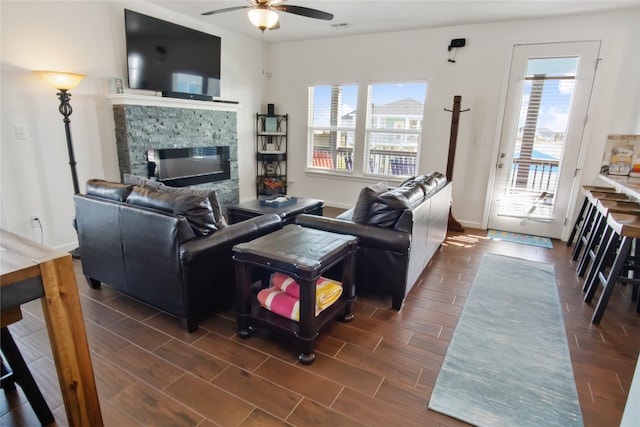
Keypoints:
(374, 16)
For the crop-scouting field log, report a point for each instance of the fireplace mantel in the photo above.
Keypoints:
(161, 101)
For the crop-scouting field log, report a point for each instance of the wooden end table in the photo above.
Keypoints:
(305, 254)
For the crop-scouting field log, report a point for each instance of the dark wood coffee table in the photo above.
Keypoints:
(246, 210)
(305, 254)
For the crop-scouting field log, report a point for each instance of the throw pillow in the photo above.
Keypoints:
(209, 194)
(108, 190)
(196, 209)
(141, 181)
(366, 198)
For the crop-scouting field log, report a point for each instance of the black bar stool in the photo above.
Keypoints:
(592, 199)
(622, 231)
(603, 208)
(583, 208)
(18, 372)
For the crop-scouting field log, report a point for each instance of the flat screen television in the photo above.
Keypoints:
(172, 59)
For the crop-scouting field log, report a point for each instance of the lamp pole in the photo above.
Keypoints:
(65, 109)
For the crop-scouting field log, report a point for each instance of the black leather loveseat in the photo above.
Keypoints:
(166, 250)
(398, 232)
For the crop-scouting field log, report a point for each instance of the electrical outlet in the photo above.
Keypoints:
(35, 221)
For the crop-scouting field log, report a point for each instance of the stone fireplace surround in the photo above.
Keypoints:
(143, 122)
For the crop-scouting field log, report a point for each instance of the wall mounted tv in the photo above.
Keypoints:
(172, 59)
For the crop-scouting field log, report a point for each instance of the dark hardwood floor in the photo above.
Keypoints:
(378, 370)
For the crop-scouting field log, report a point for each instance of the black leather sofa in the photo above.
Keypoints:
(398, 231)
(166, 250)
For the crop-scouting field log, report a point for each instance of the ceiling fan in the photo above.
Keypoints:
(262, 13)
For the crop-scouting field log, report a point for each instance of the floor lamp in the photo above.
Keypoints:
(64, 82)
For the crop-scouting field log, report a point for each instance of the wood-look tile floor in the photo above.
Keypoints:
(378, 370)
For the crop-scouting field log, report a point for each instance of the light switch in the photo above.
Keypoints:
(20, 132)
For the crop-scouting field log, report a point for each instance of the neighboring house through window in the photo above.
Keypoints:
(393, 129)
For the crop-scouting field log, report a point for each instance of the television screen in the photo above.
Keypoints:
(166, 57)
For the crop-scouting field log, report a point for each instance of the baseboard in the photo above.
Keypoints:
(470, 224)
(67, 247)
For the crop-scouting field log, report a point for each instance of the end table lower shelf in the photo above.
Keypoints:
(261, 318)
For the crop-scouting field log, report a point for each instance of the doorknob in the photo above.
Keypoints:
(500, 165)
(502, 155)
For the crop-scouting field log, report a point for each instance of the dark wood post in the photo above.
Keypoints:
(453, 139)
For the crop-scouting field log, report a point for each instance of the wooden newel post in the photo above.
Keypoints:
(453, 139)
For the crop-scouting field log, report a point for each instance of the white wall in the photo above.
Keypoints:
(478, 75)
(631, 415)
(86, 37)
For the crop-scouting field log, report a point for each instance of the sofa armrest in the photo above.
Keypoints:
(369, 236)
(196, 250)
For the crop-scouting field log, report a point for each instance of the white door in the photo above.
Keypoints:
(545, 114)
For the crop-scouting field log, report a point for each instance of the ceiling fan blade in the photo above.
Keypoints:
(228, 9)
(303, 11)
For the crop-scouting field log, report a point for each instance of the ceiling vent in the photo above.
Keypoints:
(342, 26)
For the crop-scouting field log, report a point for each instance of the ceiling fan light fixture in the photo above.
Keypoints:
(263, 18)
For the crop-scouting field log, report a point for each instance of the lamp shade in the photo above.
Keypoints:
(60, 80)
(263, 18)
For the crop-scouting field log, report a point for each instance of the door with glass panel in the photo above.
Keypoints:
(545, 115)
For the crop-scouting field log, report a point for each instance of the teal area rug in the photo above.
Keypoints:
(508, 362)
(525, 239)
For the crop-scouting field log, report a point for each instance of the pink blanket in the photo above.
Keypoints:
(280, 303)
(283, 297)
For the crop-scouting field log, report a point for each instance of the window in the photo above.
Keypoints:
(394, 127)
(332, 126)
(394, 116)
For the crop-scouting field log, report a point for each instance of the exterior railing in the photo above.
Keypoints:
(390, 162)
(542, 175)
(381, 162)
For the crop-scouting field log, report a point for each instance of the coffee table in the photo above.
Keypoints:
(252, 208)
(304, 254)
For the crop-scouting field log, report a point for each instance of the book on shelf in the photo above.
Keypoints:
(270, 124)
